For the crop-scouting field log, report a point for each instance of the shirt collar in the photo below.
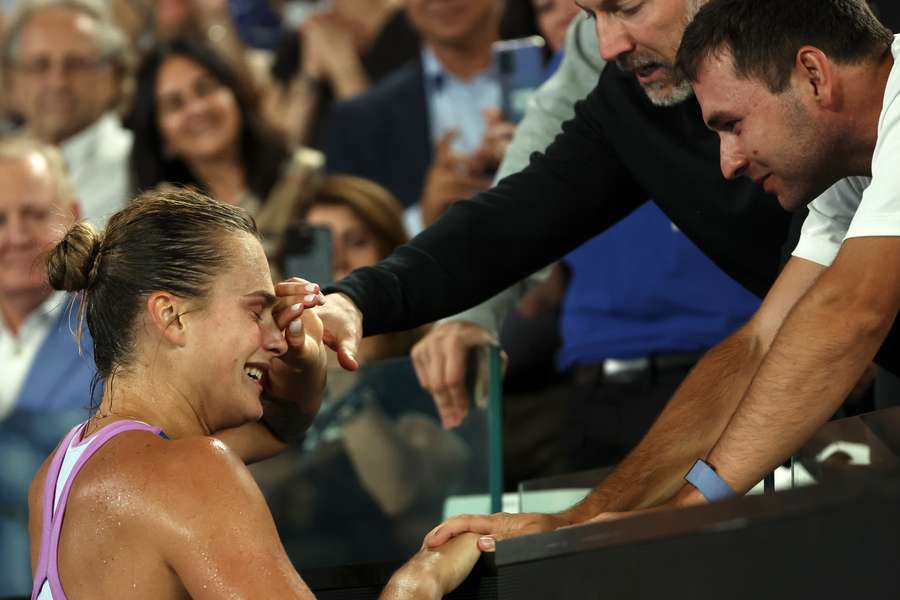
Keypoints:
(432, 67)
(84, 144)
(45, 313)
(436, 75)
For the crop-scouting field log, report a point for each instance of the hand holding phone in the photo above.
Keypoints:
(521, 69)
(307, 253)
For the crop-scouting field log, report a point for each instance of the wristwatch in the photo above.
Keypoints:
(703, 477)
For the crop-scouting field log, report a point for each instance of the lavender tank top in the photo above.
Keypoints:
(68, 460)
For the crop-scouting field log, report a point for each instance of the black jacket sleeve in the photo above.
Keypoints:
(568, 194)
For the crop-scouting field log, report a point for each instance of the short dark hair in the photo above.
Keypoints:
(764, 36)
(262, 153)
(168, 240)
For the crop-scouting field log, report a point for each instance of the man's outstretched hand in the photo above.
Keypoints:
(342, 322)
(491, 528)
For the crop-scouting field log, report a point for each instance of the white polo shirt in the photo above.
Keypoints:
(861, 206)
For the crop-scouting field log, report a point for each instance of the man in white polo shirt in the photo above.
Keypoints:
(805, 96)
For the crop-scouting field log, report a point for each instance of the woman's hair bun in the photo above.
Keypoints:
(72, 265)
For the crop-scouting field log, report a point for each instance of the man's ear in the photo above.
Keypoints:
(814, 75)
(164, 311)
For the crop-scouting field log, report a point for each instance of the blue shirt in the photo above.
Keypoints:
(641, 288)
(455, 103)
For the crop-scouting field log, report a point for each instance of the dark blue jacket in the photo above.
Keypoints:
(384, 134)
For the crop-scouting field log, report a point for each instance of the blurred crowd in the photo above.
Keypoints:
(365, 119)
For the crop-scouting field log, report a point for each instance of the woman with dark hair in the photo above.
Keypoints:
(195, 346)
(194, 124)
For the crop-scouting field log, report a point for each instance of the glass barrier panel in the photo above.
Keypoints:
(377, 471)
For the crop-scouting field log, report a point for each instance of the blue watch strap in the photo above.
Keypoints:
(707, 481)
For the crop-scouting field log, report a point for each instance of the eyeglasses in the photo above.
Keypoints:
(71, 66)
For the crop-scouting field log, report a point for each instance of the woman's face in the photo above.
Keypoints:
(232, 338)
(354, 244)
(553, 18)
(198, 117)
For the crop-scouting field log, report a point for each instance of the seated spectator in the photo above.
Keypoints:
(421, 132)
(195, 124)
(46, 381)
(300, 65)
(177, 291)
(335, 55)
(67, 65)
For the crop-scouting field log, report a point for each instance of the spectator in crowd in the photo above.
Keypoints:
(421, 132)
(438, 355)
(46, 380)
(334, 55)
(195, 124)
(68, 65)
(311, 57)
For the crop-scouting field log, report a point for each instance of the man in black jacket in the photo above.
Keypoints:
(639, 135)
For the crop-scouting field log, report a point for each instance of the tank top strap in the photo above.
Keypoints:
(50, 481)
(51, 526)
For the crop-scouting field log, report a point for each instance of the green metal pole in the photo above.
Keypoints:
(495, 428)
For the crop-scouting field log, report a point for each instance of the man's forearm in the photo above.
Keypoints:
(820, 353)
(686, 430)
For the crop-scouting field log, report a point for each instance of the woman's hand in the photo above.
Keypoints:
(299, 374)
(302, 327)
(433, 573)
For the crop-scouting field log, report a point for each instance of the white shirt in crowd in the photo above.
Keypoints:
(861, 206)
(17, 352)
(97, 159)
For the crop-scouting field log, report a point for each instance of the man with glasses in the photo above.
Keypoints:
(66, 63)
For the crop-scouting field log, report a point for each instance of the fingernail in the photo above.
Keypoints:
(295, 327)
(309, 298)
(297, 306)
(312, 288)
(321, 299)
(434, 531)
(487, 543)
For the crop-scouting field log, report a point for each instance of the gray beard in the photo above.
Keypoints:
(677, 93)
(680, 90)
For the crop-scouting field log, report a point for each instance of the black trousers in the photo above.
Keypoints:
(610, 416)
(585, 421)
